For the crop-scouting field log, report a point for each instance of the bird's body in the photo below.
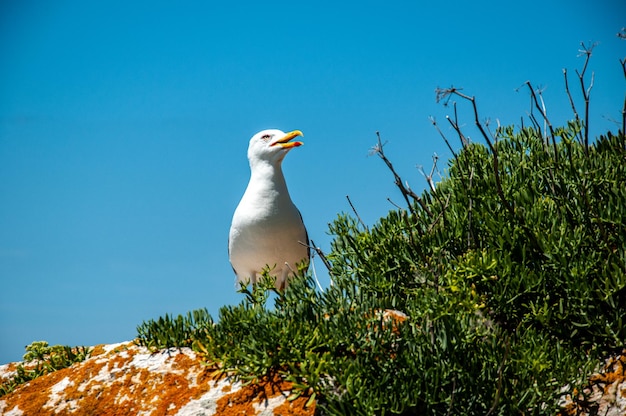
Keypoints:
(267, 228)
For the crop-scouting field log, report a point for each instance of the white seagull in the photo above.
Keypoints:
(267, 228)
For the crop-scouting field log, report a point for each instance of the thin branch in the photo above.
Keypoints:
(455, 126)
(544, 111)
(586, 51)
(445, 94)
(355, 212)
(623, 63)
(541, 110)
(317, 281)
(494, 136)
(445, 139)
(405, 190)
(571, 101)
(429, 177)
(534, 122)
(394, 204)
(464, 140)
(319, 253)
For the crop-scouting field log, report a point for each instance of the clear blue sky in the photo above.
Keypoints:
(124, 128)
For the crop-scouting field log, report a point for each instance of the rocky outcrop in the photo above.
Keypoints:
(125, 379)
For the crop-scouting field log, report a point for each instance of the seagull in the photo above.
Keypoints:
(267, 230)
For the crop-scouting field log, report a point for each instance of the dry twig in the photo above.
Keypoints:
(404, 189)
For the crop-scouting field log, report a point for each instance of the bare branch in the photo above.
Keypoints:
(442, 94)
(534, 122)
(464, 140)
(405, 190)
(394, 204)
(429, 177)
(493, 135)
(623, 62)
(457, 129)
(459, 132)
(571, 101)
(586, 51)
(476, 120)
(542, 111)
(355, 212)
(319, 253)
(434, 123)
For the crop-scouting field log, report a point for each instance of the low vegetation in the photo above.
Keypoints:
(41, 359)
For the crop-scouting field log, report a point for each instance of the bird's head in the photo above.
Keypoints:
(272, 145)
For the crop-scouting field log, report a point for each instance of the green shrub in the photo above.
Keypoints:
(173, 332)
(41, 359)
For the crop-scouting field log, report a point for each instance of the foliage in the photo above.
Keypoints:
(170, 331)
(495, 292)
(41, 359)
(539, 274)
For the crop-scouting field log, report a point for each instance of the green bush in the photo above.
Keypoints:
(509, 278)
(173, 332)
(41, 359)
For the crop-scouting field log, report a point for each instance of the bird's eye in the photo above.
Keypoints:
(266, 137)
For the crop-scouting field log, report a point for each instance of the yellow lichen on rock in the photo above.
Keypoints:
(125, 379)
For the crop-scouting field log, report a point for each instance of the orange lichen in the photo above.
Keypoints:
(295, 407)
(97, 350)
(395, 317)
(111, 382)
(613, 371)
(599, 388)
(242, 401)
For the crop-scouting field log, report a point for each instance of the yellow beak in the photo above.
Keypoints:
(285, 142)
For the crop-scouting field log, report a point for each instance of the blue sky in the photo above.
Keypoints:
(124, 128)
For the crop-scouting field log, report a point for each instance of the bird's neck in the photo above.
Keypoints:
(268, 177)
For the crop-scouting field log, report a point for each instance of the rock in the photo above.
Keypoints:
(125, 379)
(605, 393)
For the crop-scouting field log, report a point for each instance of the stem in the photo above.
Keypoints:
(405, 190)
(571, 101)
(355, 212)
(321, 254)
(586, 91)
(541, 110)
(623, 63)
